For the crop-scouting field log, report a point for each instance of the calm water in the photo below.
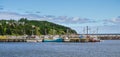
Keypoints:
(108, 48)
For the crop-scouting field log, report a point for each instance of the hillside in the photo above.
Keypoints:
(29, 27)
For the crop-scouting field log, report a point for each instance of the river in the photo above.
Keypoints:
(106, 48)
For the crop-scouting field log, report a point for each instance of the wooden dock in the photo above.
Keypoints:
(18, 39)
(12, 40)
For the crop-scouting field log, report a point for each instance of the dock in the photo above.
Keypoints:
(19, 39)
(106, 36)
(71, 38)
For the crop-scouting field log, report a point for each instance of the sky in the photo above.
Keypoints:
(76, 14)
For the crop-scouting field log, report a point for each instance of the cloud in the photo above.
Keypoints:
(114, 21)
(10, 15)
(31, 12)
(1, 7)
(65, 20)
(37, 12)
(13, 15)
(28, 12)
(71, 20)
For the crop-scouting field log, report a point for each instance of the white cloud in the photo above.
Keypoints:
(76, 18)
(59, 19)
(9, 15)
(16, 16)
(114, 21)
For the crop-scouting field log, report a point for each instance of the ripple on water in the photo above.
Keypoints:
(108, 48)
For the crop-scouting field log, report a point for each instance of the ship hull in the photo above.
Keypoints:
(53, 40)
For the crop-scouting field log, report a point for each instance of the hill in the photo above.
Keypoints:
(29, 27)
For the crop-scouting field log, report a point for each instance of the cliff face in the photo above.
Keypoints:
(29, 27)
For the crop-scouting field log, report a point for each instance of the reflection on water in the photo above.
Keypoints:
(107, 48)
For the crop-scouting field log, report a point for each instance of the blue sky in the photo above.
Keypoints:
(72, 13)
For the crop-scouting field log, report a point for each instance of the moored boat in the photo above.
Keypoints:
(54, 39)
(66, 39)
(83, 38)
(94, 39)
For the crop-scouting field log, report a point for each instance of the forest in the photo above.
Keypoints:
(24, 26)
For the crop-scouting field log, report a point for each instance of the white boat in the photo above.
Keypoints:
(94, 39)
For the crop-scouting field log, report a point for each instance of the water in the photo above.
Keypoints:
(107, 48)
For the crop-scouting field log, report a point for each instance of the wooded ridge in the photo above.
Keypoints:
(29, 27)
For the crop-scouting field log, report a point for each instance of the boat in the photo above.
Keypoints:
(89, 38)
(94, 39)
(66, 39)
(33, 38)
(84, 38)
(30, 40)
(54, 39)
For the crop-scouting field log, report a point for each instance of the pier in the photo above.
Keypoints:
(19, 39)
(106, 36)
(12, 40)
(70, 38)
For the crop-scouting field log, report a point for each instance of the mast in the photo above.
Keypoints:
(97, 31)
(67, 32)
(53, 32)
(45, 29)
(87, 30)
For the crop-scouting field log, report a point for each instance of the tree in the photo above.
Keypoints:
(37, 31)
(1, 29)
